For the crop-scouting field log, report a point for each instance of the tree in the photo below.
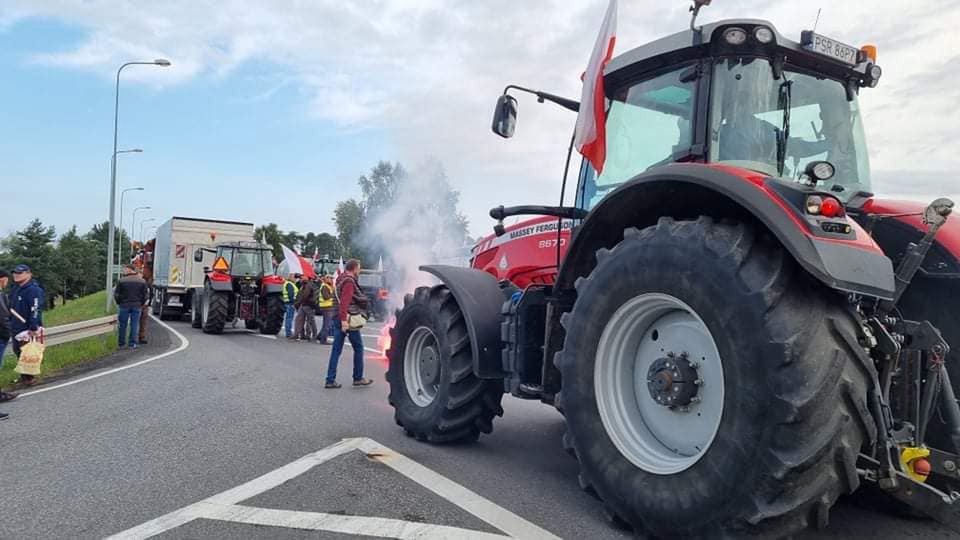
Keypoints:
(98, 236)
(348, 217)
(271, 235)
(77, 260)
(33, 246)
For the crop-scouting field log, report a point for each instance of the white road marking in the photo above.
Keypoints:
(184, 343)
(225, 506)
(470, 501)
(266, 336)
(352, 525)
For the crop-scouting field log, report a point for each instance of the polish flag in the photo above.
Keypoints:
(295, 264)
(590, 136)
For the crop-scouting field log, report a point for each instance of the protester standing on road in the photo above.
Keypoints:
(351, 302)
(130, 295)
(289, 295)
(26, 310)
(145, 310)
(4, 330)
(306, 327)
(325, 303)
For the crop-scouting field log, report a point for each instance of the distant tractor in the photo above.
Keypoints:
(374, 285)
(735, 330)
(241, 285)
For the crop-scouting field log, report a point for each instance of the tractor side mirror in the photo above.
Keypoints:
(206, 269)
(505, 116)
(198, 255)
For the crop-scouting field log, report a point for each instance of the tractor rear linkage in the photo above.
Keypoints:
(892, 338)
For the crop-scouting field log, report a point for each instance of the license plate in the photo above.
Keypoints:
(828, 47)
(174, 301)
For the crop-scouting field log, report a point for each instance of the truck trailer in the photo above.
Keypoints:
(178, 273)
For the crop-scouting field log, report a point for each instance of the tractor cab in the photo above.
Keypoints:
(247, 260)
(737, 93)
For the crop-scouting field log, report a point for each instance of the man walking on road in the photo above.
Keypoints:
(306, 324)
(26, 308)
(351, 302)
(289, 296)
(4, 330)
(130, 295)
(326, 308)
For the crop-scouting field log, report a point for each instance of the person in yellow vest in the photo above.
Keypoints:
(325, 305)
(289, 294)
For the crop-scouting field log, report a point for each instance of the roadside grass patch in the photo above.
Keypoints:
(59, 357)
(88, 307)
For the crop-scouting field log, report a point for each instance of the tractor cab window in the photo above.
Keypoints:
(648, 124)
(247, 262)
(779, 126)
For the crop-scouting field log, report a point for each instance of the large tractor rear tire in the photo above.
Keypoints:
(710, 386)
(274, 312)
(434, 392)
(215, 311)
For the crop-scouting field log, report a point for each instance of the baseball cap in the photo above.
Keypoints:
(20, 269)
(3, 274)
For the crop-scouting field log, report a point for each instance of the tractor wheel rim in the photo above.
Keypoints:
(421, 366)
(656, 347)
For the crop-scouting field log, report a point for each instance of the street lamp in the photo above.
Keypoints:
(122, 193)
(133, 224)
(113, 173)
(142, 223)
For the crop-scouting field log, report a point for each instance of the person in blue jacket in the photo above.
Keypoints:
(26, 309)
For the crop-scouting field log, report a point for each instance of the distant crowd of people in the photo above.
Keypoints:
(21, 318)
(344, 309)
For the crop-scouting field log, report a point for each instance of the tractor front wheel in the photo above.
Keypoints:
(710, 385)
(434, 392)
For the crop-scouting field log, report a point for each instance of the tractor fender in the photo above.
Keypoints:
(854, 264)
(273, 288)
(480, 299)
(220, 286)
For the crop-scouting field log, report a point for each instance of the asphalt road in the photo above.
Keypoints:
(222, 429)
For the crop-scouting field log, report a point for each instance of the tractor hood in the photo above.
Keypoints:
(904, 224)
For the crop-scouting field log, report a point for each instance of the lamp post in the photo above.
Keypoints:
(133, 224)
(142, 223)
(113, 174)
(122, 193)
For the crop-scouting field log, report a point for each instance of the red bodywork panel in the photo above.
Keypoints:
(526, 254)
(948, 236)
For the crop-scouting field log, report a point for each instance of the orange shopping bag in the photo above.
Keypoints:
(31, 357)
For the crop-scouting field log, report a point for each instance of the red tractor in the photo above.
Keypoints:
(735, 330)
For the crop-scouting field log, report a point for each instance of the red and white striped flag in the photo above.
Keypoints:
(590, 136)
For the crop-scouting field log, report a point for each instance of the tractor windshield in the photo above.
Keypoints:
(778, 126)
(247, 262)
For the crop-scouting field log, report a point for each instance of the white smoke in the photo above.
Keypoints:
(421, 225)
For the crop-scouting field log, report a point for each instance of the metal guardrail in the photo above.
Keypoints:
(72, 332)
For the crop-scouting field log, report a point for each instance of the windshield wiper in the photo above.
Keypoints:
(783, 134)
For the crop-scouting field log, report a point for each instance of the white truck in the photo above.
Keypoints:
(184, 248)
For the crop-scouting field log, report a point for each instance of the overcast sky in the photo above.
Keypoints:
(272, 109)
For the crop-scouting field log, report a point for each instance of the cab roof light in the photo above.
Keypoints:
(735, 35)
(870, 51)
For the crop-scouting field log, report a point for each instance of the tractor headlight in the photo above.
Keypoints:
(735, 36)
(822, 170)
(763, 34)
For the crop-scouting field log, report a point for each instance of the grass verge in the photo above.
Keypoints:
(63, 356)
(85, 308)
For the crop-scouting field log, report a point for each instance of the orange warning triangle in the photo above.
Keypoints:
(221, 265)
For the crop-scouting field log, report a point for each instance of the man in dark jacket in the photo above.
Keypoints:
(130, 295)
(305, 326)
(350, 301)
(4, 329)
(26, 308)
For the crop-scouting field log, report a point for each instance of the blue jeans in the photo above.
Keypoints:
(339, 337)
(3, 349)
(131, 315)
(288, 320)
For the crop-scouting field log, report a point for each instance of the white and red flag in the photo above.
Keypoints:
(590, 136)
(295, 264)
